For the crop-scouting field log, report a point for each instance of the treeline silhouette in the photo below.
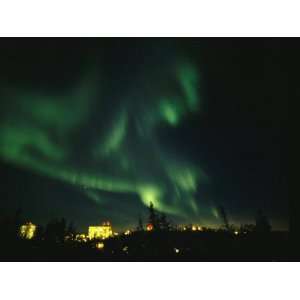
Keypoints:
(157, 240)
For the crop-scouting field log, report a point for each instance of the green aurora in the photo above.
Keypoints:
(125, 155)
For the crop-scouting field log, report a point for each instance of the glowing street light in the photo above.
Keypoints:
(149, 227)
(100, 246)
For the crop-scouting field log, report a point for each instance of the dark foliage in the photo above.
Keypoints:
(57, 242)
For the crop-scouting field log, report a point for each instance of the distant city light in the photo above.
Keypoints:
(127, 232)
(176, 250)
(81, 237)
(28, 230)
(194, 228)
(236, 232)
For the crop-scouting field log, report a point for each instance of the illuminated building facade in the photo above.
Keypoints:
(100, 232)
(27, 230)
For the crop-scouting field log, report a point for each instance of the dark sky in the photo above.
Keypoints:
(95, 129)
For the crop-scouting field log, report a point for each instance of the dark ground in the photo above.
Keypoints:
(158, 246)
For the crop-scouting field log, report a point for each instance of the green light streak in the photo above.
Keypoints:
(115, 136)
(37, 133)
(14, 140)
(188, 78)
(170, 112)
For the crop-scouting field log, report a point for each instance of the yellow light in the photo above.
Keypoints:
(184, 228)
(27, 231)
(127, 232)
(236, 232)
(176, 250)
(99, 246)
(81, 237)
(102, 232)
(199, 228)
(194, 228)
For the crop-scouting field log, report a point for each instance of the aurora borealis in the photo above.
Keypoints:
(117, 121)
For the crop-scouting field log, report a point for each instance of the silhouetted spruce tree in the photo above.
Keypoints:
(71, 231)
(140, 226)
(153, 219)
(61, 230)
(262, 224)
(56, 231)
(40, 233)
(224, 217)
(17, 222)
(247, 228)
(163, 222)
(48, 234)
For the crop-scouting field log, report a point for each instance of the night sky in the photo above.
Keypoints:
(95, 129)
